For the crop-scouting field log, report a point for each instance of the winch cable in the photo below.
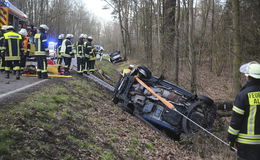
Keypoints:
(171, 106)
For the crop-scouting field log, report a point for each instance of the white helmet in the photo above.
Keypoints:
(4, 27)
(85, 36)
(61, 36)
(9, 27)
(82, 36)
(69, 36)
(23, 32)
(90, 38)
(44, 26)
(131, 66)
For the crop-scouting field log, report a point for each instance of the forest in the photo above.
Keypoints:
(177, 39)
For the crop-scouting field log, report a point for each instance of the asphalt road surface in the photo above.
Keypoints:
(9, 86)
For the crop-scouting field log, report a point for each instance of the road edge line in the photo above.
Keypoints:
(21, 89)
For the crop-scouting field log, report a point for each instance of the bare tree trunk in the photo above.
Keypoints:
(212, 35)
(236, 46)
(168, 36)
(192, 54)
(177, 44)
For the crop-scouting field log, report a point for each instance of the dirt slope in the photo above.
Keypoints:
(75, 119)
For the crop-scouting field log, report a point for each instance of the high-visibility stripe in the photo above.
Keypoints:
(238, 110)
(39, 44)
(10, 48)
(246, 136)
(7, 68)
(18, 48)
(16, 68)
(45, 40)
(233, 131)
(247, 141)
(251, 120)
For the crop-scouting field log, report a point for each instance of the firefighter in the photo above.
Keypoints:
(67, 52)
(90, 55)
(80, 54)
(41, 51)
(244, 128)
(58, 53)
(2, 54)
(12, 46)
(25, 48)
(127, 70)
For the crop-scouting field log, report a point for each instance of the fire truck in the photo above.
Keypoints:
(11, 15)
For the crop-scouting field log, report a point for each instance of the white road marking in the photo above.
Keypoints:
(21, 89)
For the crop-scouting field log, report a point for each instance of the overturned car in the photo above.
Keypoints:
(134, 97)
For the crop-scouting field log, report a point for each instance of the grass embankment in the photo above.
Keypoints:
(75, 119)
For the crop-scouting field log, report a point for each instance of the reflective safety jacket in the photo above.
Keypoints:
(80, 48)
(66, 48)
(90, 51)
(58, 48)
(1, 43)
(126, 71)
(12, 46)
(26, 46)
(41, 44)
(245, 121)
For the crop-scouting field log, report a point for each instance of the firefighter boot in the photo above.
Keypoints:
(45, 75)
(39, 75)
(7, 74)
(18, 74)
(66, 72)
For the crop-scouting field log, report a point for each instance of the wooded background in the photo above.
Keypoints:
(169, 36)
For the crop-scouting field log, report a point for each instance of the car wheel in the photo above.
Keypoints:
(201, 113)
(144, 72)
(205, 99)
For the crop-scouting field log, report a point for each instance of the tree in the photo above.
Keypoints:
(236, 46)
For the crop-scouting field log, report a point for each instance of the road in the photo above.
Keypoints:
(11, 86)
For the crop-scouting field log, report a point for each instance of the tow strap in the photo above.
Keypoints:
(171, 106)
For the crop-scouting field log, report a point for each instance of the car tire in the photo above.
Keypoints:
(205, 99)
(144, 72)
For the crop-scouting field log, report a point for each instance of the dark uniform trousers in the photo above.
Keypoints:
(248, 152)
(67, 61)
(15, 64)
(80, 64)
(41, 63)
(23, 61)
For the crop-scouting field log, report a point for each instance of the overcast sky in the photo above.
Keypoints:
(95, 6)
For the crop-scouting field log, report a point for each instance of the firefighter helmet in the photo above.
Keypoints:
(61, 36)
(10, 28)
(131, 66)
(44, 26)
(251, 69)
(90, 38)
(69, 36)
(4, 27)
(23, 32)
(82, 36)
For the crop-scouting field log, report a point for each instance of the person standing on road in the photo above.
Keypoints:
(67, 52)
(90, 55)
(80, 54)
(58, 51)
(41, 51)
(12, 46)
(25, 48)
(244, 128)
(2, 54)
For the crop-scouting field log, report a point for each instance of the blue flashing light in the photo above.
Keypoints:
(7, 4)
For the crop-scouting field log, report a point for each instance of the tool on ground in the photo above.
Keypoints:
(171, 106)
(52, 75)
